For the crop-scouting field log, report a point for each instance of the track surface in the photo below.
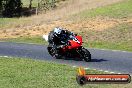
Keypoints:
(116, 61)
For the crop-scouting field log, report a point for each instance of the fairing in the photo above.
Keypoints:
(75, 44)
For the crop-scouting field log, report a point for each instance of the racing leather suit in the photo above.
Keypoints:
(60, 40)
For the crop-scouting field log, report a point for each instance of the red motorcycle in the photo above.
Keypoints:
(72, 49)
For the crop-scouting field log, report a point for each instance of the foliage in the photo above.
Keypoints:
(11, 8)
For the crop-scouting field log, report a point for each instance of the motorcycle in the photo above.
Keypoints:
(72, 49)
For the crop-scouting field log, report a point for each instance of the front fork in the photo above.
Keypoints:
(79, 51)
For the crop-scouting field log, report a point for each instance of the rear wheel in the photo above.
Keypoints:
(86, 55)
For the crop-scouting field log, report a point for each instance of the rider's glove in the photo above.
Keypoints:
(60, 46)
(62, 42)
(70, 36)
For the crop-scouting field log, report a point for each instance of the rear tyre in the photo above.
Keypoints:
(86, 55)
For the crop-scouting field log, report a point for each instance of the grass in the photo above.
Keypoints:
(117, 38)
(13, 22)
(28, 73)
(6, 21)
(117, 10)
(35, 40)
(125, 46)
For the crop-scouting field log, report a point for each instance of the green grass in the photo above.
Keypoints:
(13, 22)
(28, 73)
(34, 39)
(5, 21)
(124, 46)
(117, 10)
(118, 38)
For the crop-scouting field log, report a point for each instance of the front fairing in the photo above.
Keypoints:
(75, 42)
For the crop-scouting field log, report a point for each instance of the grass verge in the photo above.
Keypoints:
(124, 46)
(117, 10)
(28, 73)
(35, 40)
(118, 38)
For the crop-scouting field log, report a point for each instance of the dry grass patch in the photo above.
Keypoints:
(97, 24)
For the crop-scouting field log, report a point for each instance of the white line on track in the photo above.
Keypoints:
(86, 68)
(112, 72)
(99, 70)
(106, 71)
(4, 56)
(110, 50)
(74, 66)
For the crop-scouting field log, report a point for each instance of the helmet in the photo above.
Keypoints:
(57, 30)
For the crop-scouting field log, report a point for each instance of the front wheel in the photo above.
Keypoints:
(53, 52)
(86, 55)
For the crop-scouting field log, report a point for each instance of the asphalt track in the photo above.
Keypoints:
(116, 61)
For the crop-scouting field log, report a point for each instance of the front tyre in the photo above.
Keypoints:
(53, 52)
(86, 55)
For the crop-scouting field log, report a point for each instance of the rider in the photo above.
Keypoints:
(58, 37)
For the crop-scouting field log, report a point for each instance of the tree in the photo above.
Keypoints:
(30, 5)
(11, 8)
(1, 7)
(0, 4)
